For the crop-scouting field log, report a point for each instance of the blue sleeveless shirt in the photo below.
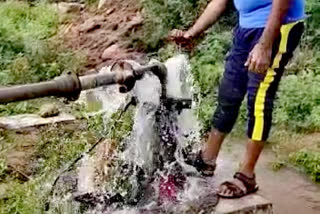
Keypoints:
(255, 13)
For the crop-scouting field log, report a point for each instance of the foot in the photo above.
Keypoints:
(240, 186)
(195, 160)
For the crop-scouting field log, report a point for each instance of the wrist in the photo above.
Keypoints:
(265, 44)
(191, 32)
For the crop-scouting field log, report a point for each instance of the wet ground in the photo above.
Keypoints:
(290, 191)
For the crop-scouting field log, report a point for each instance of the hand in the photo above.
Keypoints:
(182, 38)
(259, 58)
(180, 34)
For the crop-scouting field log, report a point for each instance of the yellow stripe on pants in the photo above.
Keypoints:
(265, 84)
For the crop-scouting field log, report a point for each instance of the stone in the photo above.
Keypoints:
(49, 110)
(69, 7)
(253, 203)
(113, 52)
(104, 157)
(89, 25)
(110, 11)
(25, 121)
(135, 21)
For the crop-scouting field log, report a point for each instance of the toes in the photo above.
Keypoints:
(225, 191)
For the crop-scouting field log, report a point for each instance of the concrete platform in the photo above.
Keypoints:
(252, 204)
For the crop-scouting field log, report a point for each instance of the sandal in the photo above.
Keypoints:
(235, 190)
(196, 161)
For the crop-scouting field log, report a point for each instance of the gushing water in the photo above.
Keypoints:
(152, 172)
(143, 142)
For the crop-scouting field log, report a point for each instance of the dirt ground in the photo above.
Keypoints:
(103, 35)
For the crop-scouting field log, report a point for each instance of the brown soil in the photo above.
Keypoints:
(94, 32)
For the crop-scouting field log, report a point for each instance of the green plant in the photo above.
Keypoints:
(57, 146)
(161, 16)
(3, 168)
(30, 50)
(312, 34)
(298, 105)
(308, 161)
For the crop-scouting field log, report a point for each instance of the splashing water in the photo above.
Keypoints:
(143, 142)
(154, 170)
(160, 132)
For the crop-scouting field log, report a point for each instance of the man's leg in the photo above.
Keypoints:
(261, 94)
(211, 148)
(232, 90)
(251, 156)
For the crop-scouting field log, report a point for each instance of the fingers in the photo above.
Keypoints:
(181, 38)
(176, 33)
(180, 34)
(248, 60)
(251, 62)
(259, 59)
(256, 64)
(263, 67)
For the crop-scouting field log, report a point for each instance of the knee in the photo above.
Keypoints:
(226, 114)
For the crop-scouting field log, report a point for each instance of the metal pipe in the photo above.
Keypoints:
(97, 80)
(63, 86)
(157, 69)
(71, 85)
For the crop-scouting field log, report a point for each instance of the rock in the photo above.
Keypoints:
(49, 110)
(89, 25)
(110, 11)
(69, 7)
(25, 121)
(135, 21)
(104, 159)
(113, 52)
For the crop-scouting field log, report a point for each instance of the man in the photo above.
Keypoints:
(264, 40)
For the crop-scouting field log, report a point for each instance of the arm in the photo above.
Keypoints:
(272, 30)
(260, 57)
(209, 17)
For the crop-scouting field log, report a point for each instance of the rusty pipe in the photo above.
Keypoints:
(133, 74)
(63, 86)
(70, 85)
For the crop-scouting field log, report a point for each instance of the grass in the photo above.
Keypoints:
(161, 16)
(298, 150)
(56, 147)
(309, 161)
(30, 50)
